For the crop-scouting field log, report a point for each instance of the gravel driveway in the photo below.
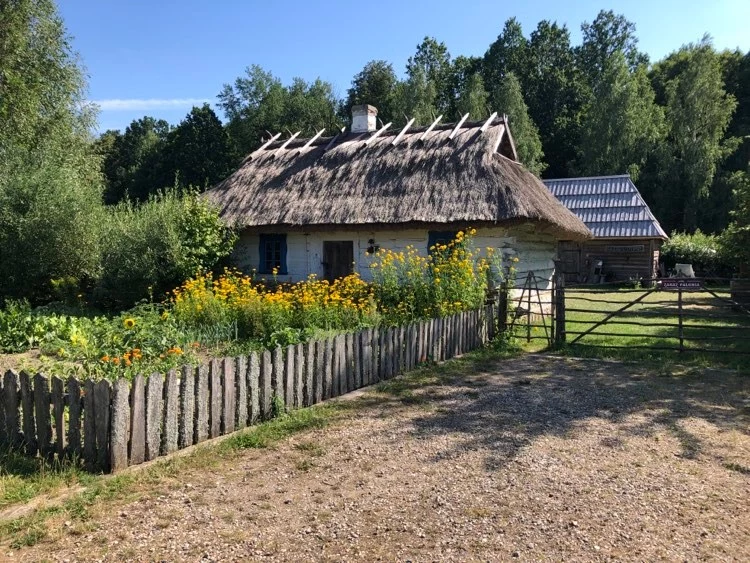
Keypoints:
(533, 458)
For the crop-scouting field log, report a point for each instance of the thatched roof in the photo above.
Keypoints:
(472, 178)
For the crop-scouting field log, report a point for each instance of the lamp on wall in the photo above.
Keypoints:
(372, 248)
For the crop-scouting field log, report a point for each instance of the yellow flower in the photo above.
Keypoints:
(164, 316)
(128, 323)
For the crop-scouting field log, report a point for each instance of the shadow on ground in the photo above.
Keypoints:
(503, 405)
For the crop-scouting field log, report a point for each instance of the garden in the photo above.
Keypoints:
(228, 312)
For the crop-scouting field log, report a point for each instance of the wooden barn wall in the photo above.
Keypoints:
(620, 265)
(535, 250)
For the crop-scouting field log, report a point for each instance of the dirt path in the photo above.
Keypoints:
(536, 458)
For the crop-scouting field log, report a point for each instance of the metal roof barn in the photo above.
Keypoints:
(610, 206)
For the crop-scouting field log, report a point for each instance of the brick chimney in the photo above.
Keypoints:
(364, 118)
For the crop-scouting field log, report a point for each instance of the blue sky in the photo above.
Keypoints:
(160, 57)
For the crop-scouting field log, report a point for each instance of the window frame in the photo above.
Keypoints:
(433, 237)
(272, 238)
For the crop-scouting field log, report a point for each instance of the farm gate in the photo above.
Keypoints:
(671, 314)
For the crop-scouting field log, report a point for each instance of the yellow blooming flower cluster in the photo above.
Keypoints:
(259, 310)
(452, 278)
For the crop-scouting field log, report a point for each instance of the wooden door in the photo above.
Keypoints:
(570, 258)
(338, 258)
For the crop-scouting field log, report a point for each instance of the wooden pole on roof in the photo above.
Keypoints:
(487, 123)
(289, 140)
(500, 135)
(377, 133)
(403, 131)
(332, 141)
(458, 126)
(311, 140)
(264, 145)
(430, 128)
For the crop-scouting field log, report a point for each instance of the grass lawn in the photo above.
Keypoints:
(709, 323)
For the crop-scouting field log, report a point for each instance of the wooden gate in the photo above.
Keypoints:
(675, 314)
(530, 312)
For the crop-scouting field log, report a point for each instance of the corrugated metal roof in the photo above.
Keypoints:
(611, 206)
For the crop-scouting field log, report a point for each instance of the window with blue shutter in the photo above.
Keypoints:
(439, 237)
(272, 254)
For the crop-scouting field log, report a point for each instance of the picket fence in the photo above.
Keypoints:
(111, 425)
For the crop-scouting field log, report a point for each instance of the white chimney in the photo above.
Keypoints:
(364, 118)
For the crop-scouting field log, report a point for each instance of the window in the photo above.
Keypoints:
(272, 254)
(439, 237)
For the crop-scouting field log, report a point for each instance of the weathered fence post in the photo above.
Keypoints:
(318, 392)
(41, 411)
(278, 374)
(299, 375)
(102, 405)
(10, 392)
(328, 356)
(58, 413)
(266, 385)
(559, 307)
(119, 426)
(240, 382)
(74, 417)
(89, 423)
(253, 387)
(154, 392)
(358, 359)
(289, 378)
(502, 308)
(27, 413)
(137, 421)
(309, 386)
(216, 399)
(229, 405)
(201, 405)
(186, 424)
(680, 329)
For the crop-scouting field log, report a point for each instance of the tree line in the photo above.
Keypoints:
(87, 218)
(678, 126)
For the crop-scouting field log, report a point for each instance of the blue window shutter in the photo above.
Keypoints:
(269, 245)
(444, 237)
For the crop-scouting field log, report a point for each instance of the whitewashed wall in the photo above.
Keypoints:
(535, 251)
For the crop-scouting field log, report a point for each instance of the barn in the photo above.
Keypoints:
(627, 237)
(323, 206)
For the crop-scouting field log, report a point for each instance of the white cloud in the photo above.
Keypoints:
(136, 104)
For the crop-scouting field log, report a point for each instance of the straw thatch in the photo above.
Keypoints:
(468, 179)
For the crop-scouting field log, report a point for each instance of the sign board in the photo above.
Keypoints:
(681, 283)
(629, 249)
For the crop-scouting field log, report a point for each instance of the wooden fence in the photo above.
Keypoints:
(111, 425)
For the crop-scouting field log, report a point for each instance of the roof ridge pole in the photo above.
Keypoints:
(430, 128)
(264, 145)
(484, 127)
(458, 126)
(403, 131)
(311, 140)
(377, 133)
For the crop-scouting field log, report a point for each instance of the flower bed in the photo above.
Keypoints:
(232, 313)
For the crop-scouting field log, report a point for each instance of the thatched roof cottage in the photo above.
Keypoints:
(323, 205)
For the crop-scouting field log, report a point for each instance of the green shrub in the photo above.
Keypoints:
(150, 248)
(703, 251)
(736, 238)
